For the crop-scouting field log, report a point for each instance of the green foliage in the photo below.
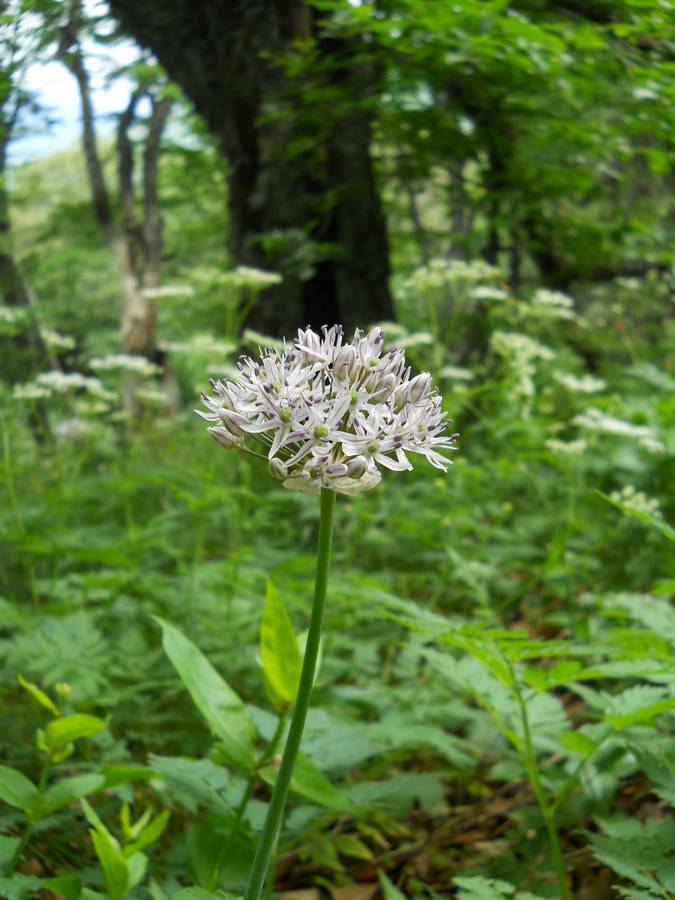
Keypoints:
(508, 624)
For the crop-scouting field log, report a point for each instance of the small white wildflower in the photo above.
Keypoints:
(167, 290)
(31, 392)
(73, 429)
(13, 315)
(586, 384)
(62, 382)
(637, 500)
(652, 445)
(56, 341)
(456, 373)
(596, 420)
(126, 362)
(484, 292)
(255, 339)
(569, 448)
(247, 276)
(200, 343)
(521, 346)
(416, 339)
(331, 413)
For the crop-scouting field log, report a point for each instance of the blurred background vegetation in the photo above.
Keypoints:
(493, 183)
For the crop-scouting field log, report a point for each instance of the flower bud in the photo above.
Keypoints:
(223, 437)
(419, 387)
(357, 466)
(385, 389)
(336, 470)
(235, 423)
(345, 362)
(277, 469)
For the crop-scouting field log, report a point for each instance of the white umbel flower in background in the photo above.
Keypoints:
(330, 413)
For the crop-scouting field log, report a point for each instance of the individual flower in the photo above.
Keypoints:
(330, 413)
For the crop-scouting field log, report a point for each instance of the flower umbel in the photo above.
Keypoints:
(330, 413)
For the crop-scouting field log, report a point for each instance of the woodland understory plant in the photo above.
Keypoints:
(330, 413)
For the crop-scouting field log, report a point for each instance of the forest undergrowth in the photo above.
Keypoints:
(493, 717)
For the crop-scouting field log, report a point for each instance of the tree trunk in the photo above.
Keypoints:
(26, 352)
(301, 189)
(137, 245)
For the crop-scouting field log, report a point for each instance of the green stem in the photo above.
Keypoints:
(267, 754)
(280, 793)
(530, 761)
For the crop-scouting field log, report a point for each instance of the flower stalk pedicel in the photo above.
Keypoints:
(330, 415)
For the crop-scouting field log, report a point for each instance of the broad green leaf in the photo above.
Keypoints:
(68, 886)
(221, 707)
(281, 657)
(114, 865)
(69, 790)
(39, 695)
(138, 864)
(8, 846)
(205, 841)
(16, 789)
(18, 887)
(62, 732)
(310, 782)
(578, 742)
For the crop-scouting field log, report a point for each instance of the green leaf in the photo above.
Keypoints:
(39, 695)
(68, 886)
(94, 820)
(115, 866)
(224, 710)
(18, 887)
(138, 864)
(69, 790)
(310, 782)
(281, 657)
(478, 888)
(205, 840)
(16, 789)
(62, 732)
(197, 893)
(578, 742)
(7, 849)
(149, 834)
(390, 891)
(116, 775)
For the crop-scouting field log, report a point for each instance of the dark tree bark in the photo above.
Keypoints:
(224, 55)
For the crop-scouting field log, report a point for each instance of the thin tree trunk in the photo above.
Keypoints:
(137, 246)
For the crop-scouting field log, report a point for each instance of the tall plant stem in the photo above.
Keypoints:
(275, 811)
(530, 760)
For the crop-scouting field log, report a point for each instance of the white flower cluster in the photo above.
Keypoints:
(331, 412)
(126, 362)
(586, 384)
(57, 341)
(570, 448)
(552, 304)
(595, 419)
(48, 383)
(520, 351)
(637, 500)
